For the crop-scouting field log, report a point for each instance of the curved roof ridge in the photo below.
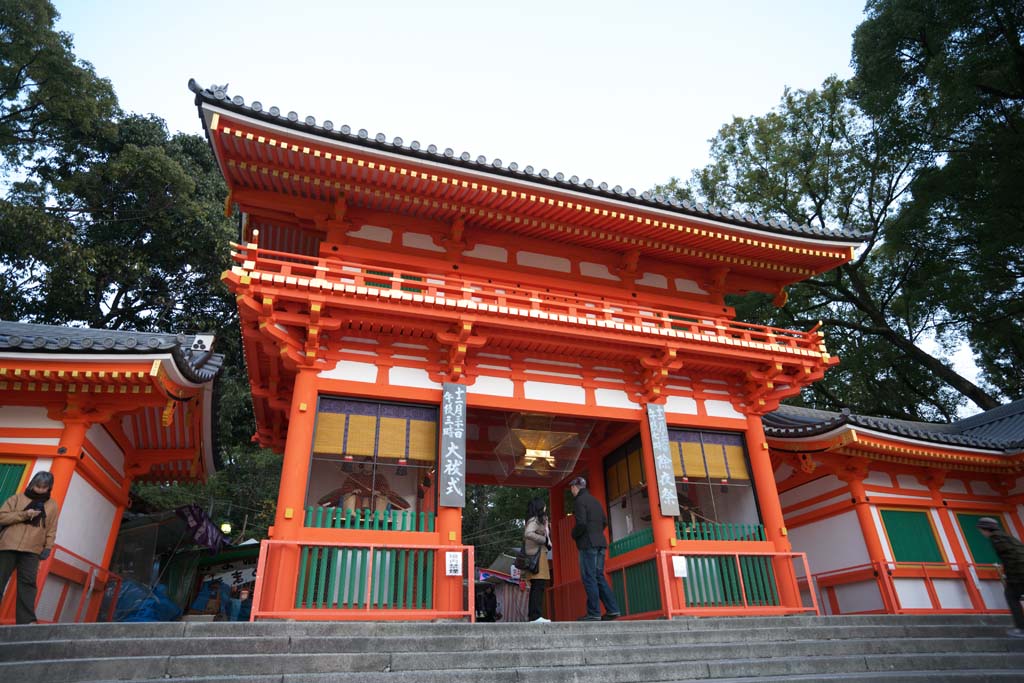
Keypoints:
(218, 95)
(192, 354)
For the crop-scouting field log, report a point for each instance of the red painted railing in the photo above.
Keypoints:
(74, 572)
(883, 575)
(509, 298)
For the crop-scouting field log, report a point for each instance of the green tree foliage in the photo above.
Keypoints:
(817, 159)
(948, 75)
(492, 520)
(108, 221)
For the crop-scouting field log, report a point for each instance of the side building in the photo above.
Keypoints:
(99, 409)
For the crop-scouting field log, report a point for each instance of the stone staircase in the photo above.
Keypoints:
(849, 648)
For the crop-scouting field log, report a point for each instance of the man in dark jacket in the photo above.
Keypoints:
(590, 541)
(1011, 556)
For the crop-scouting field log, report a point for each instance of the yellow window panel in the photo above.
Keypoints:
(693, 460)
(422, 440)
(636, 470)
(391, 442)
(611, 483)
(714, 455)
(330, 433)
(622, 468)
(362, 434)
(737, 463)
(677, 458)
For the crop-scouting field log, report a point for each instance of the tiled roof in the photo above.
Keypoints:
(191, 353)
(999, 429)
(217, 95)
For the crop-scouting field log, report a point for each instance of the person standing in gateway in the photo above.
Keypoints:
(590, 541)
(1011, 556)
(29, 522)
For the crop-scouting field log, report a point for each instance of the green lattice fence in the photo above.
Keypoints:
(636, 588)
(706, 531)
(318, 517)
(637, 539)
(365, 578)
(714, 581)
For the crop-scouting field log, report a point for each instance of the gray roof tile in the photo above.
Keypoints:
(191, 355)
(218, 95)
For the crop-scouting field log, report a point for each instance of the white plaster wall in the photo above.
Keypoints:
(562, 393)
(372, 232)
(940, 532)
(855, 597)
(41, 465)
(951, 594)
(109, 449)
(350, 370)
(783, 472)
(653, 280)
(876, 478)
(491, 386)
(684, 285)
(418, 240)
(85, 520)
(953, 486)
(722, 409)
(838, 498)
(992, 594)
(983, 488)
(411, 377)
(832, 543)
(912, 593)
(613, 398)
(811, 489)
(33, 441)
(27, 417)
(682, 405)
(488, 252)
(596, 270)
(545, 261)
(876, 517)
(909, 481)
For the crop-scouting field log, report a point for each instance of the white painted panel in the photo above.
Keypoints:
(909, 481)
(953, 486)
(912, 593)
(857, 597)
(876, 517)
(680, 404)
(412, 377)
(488, 252)
(951, 594)
(545, 261)
(941, 532)
(562, 393)
(1018, 486)
(372, 232)
(417, 240)
(350, 370)
(992, 594)
(33, 441)
(597, 270)
(838, 498)
(109, 449)
(85, 520)
(684, 285)
(653, 280)
(49, 596)
(492, 386)
(811, 489)
(41, 465)
(613, 398)
(27, 417)
(784, 472)
(722, 409)
(983, 488)
(876, 478)
(831, 543)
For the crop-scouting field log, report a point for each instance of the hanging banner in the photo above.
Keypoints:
(663, 471)
(452, 463)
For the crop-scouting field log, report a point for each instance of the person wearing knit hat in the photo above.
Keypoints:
(28, 528)
(1011, 557)
(591, 544)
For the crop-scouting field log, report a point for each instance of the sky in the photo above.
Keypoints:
(627, 93)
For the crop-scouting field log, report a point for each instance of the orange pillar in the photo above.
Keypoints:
(855, 482)
(771, 509)
(281, 577)
(663, 527)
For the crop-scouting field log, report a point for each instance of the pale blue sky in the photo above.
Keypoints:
(627, 93)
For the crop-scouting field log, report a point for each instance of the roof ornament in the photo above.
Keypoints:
(219, 91)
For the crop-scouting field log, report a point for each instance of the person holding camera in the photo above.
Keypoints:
(29, 522)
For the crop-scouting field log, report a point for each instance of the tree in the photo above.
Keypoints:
(492, 520)
(817, 159)
(949, 75)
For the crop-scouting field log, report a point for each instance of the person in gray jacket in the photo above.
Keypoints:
(590, 541)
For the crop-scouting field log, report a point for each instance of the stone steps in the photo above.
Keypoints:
(872, 648)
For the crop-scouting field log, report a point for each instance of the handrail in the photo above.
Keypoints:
(365, 588)
(93, 578)
(495, 295)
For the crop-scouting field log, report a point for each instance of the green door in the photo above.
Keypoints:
(10, 478)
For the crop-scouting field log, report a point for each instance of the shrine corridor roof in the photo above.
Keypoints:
(217, 95)
(1000, 429)
(191, 353)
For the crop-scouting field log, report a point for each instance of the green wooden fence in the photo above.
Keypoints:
(10, 477)
(714, 581)
(343, 578)
(318, 517)
(637, 539)
(705, 531)
(636, 588)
